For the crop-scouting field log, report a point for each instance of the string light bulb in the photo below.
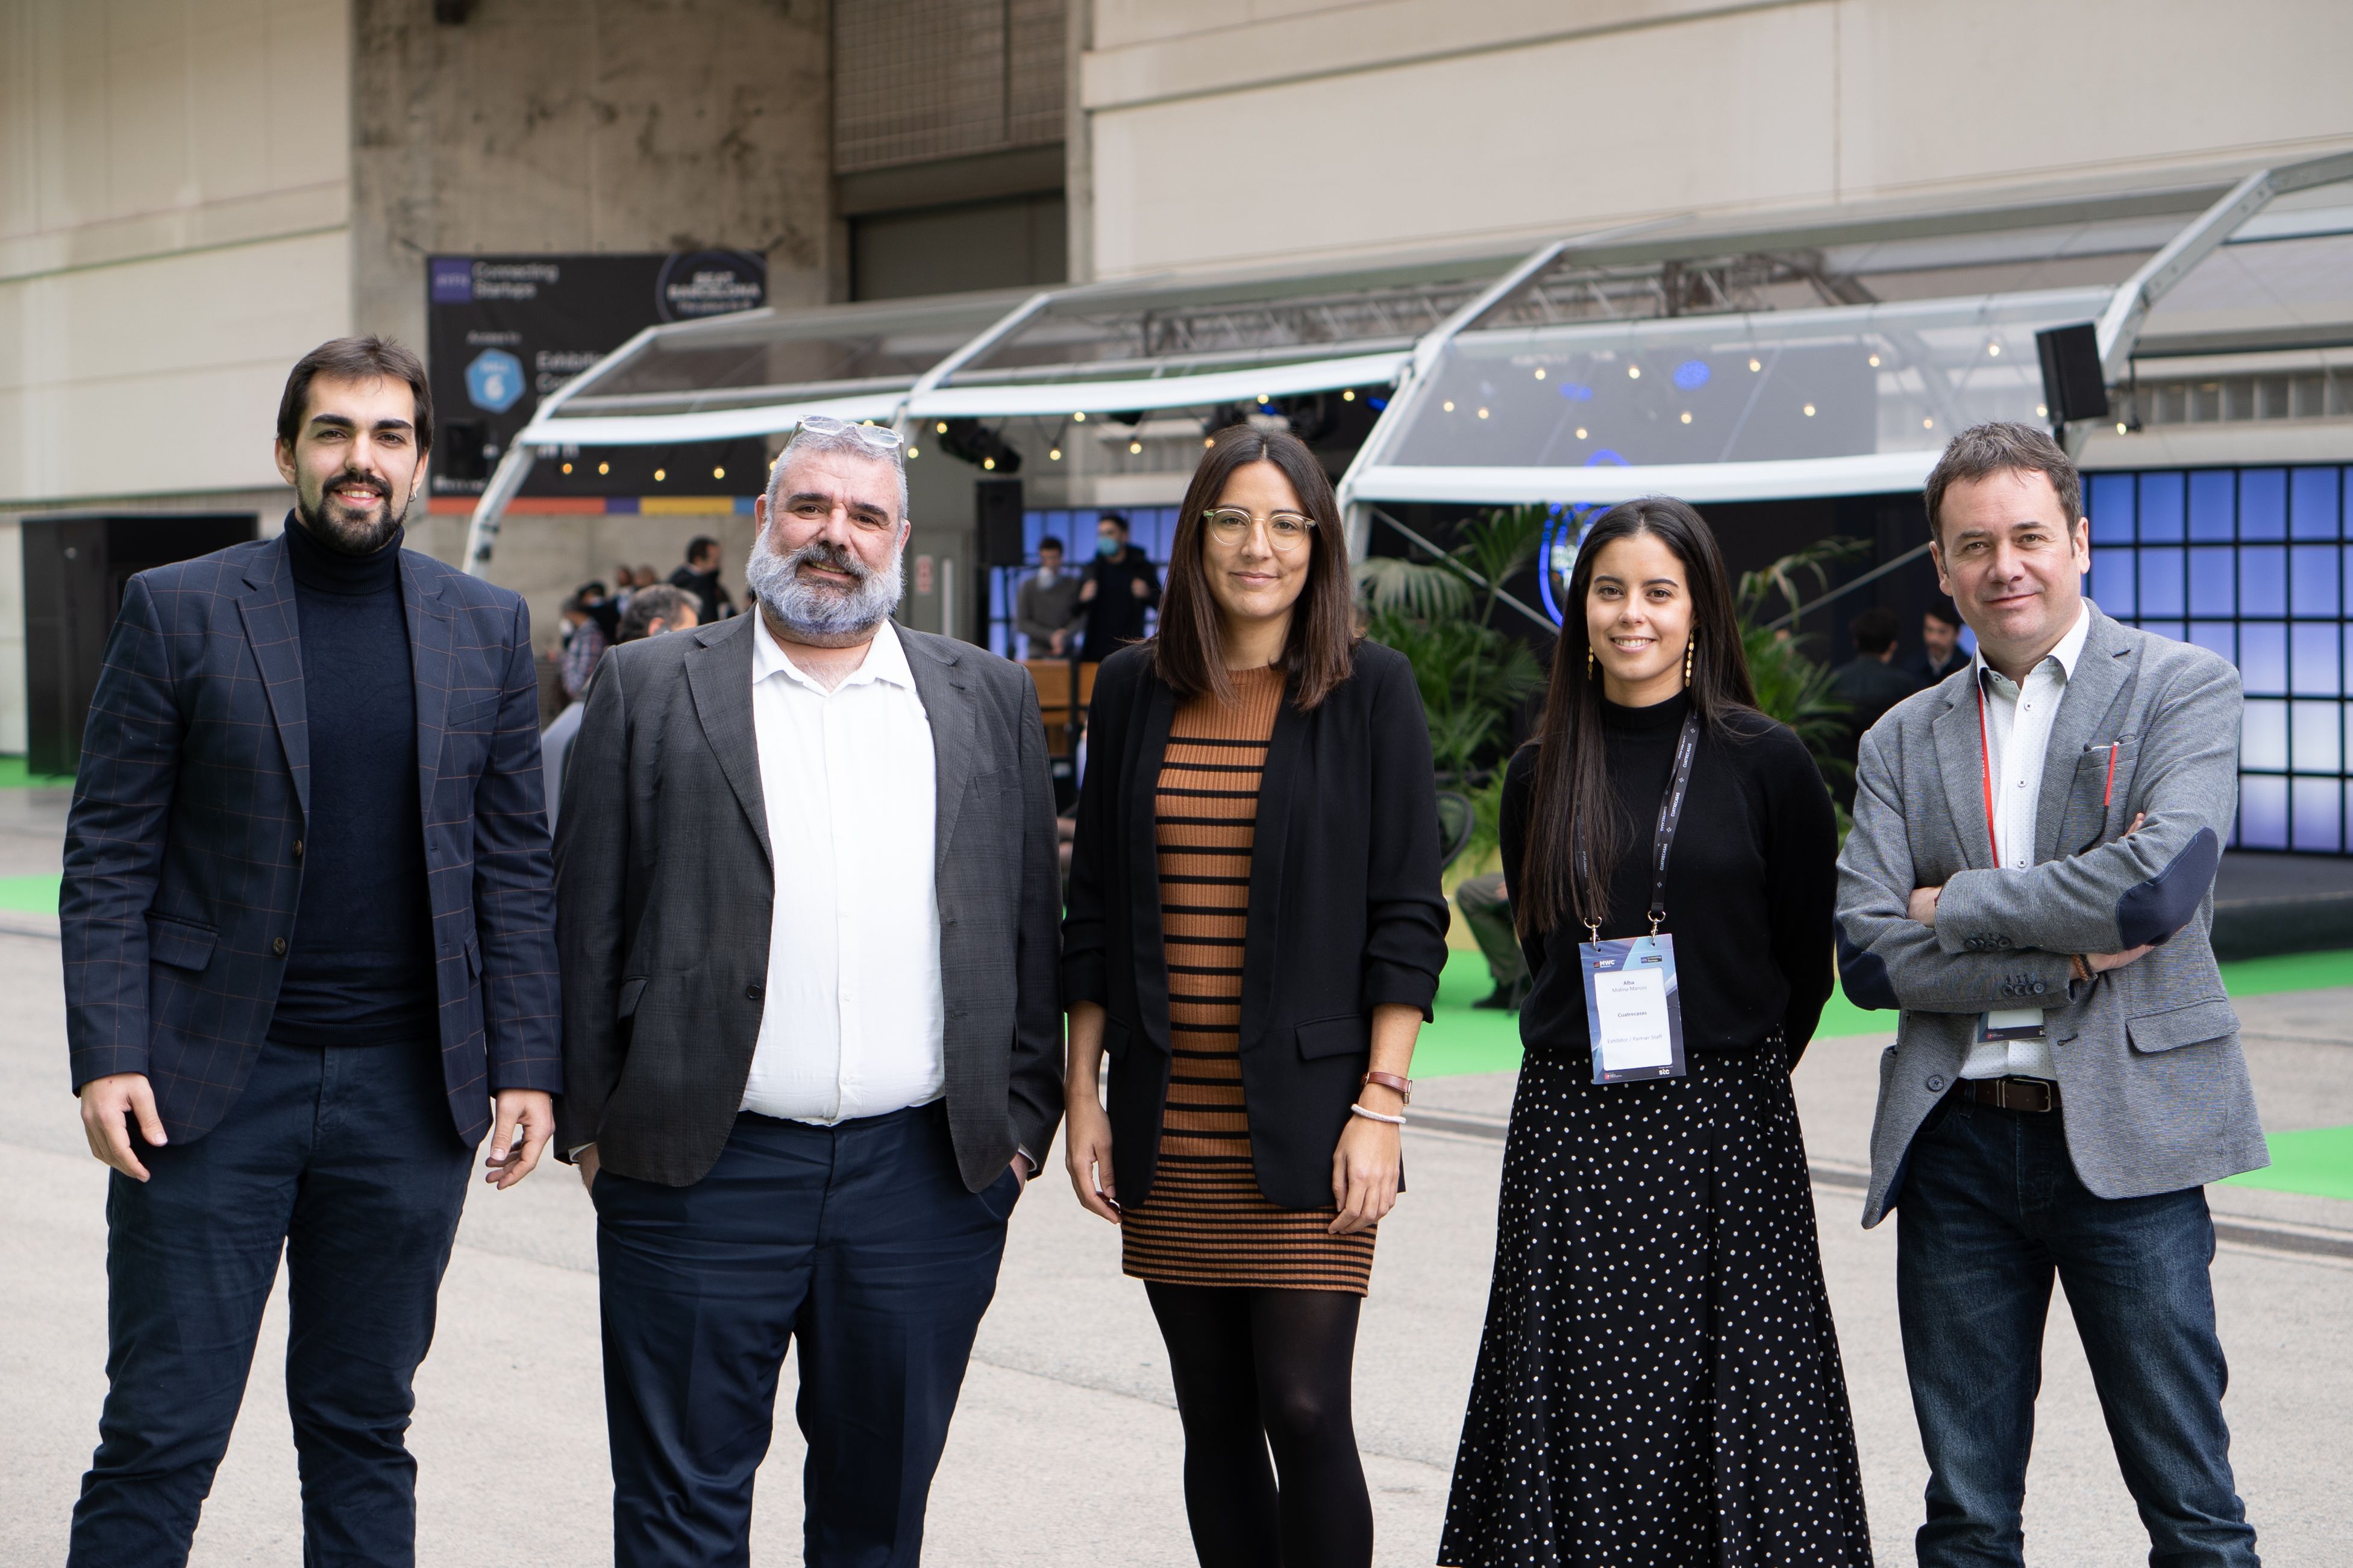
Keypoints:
(912, 454)
(1633, 373)
(2041, 411)
(1809, 411)
(567, 467)
(1135, 448)
(2120, 429)
(1053, 454)
(604, 467)
(1080, 417)
(1927, 425)
(1755, 364)
(1448, 406)
(1263, 398)
(939, 427)
(1875, 361)
(988, 463)
(1539, 372)
(660, 474)
(1580, 432)
(718, 473)
(1994, 349)
(1348, 394)
(1482, 413)
(1686, 415)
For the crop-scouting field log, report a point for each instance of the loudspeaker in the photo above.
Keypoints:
(457, 451)
(2073, 387)
(996, 510)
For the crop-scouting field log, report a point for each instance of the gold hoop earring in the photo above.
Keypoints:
(1691, 645)
(1589, 664)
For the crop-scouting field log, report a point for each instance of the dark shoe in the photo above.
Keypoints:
(1503, 999)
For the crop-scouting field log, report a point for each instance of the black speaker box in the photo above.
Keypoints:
(2073, 387)
(996, 509)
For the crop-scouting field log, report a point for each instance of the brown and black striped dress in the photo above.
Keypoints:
(1204, 1221)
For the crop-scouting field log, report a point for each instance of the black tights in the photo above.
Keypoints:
(1258, 1369)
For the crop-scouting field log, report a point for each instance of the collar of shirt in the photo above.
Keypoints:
(2070, 650)
(885, 661)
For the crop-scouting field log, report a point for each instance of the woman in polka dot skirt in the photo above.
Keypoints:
(1659, 1382)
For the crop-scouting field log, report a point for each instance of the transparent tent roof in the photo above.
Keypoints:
(2283, 281)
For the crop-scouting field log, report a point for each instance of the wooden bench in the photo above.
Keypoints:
(1052, 676)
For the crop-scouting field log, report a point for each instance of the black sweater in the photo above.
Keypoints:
(359, 968)
(1751, 886)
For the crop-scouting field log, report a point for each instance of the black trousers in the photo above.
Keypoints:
(861, 1242)
(344, 1158)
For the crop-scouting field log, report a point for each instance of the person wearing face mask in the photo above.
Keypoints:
(1047, 611)
(1659, 1380)
(309, 962)
(1121, 585)
(1254, 936)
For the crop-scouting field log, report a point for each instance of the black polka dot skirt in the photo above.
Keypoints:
(1659, 1382)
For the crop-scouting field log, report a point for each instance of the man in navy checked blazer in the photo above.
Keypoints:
(309, 931)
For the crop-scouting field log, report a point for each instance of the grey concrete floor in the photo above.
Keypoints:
(1066, 1447)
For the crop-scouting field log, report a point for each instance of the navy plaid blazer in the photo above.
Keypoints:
(183, 851)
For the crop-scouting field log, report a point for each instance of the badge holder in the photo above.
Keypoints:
(1633, 1010)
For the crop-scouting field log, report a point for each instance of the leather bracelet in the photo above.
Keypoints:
(1376, 1115)
(1403, 1085)
(2082, 966)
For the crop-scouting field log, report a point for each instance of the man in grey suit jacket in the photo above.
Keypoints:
(807, 905)
(2030, 878)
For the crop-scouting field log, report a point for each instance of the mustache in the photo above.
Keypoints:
(350, 476)
(829, 557)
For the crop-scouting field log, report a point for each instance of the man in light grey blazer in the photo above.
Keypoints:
(808, 906)
(2030, 880)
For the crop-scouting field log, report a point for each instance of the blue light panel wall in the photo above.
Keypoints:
(1153, 527)
(2255, 564)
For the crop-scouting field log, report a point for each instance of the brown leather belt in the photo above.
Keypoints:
(2010, 1093)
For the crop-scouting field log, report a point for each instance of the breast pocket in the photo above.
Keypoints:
(466, 734)
(2098, 798)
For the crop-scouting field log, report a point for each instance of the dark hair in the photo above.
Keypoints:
(355, 359)
(1320, 651)
(1052, 543)
(1113, 519)
(2003, 447)
(648, 605)
(1574, 811)
(697, 547)
(1875, 630)
(1945, 610)
(592, 590)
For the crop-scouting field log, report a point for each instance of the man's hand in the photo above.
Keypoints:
(2101, 963)
(587, 1161)
(1923, 904)
(1058, 642)
(1087, 592)
(1136, 586)
(108, 1105)
(525, 1113)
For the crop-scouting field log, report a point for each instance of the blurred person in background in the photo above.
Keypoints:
(1869, 684)
(1047, 608)
(308, 964)
(1260, 1026)
(699, 575)
(1659, 1379)
(625, 583)
(1486, 905)
(652, 611)
(585, 641)
(1121, 586)
(1940, 638)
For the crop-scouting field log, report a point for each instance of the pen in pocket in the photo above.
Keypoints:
(2108, 796)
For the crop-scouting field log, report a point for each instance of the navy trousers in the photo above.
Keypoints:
(861, 1242)
(346, 1160)
(1992, 1207)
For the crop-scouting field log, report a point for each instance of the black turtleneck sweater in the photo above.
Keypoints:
(359, 968)
(1752, 884)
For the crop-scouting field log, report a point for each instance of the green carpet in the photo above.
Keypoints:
(16, 774)
(29, 895)
(2318, 1162)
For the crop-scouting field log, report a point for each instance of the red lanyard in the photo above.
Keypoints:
(1985, 750)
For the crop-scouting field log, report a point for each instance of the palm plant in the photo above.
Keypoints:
(1792, 685)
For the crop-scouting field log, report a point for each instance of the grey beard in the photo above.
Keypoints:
(813, 612)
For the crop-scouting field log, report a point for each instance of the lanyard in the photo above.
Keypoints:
(1985, 750)
(1662, 838)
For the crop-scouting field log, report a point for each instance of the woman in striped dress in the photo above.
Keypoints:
(1254, 936)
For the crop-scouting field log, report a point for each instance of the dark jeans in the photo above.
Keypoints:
(346, 1158)
(1991, 1207)
(860, 1241)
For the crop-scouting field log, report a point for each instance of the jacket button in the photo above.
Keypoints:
(2040, 986)
(278, 945)
(2010, 990)
(752, 992)
(1937, 1085)
(298, 849)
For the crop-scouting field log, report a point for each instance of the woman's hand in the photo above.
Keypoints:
(1366, 1169)
(1086, 1151)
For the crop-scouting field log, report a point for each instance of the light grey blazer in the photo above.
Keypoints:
(2154, 1090)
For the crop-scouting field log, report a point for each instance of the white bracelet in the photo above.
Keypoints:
(1376, 1116)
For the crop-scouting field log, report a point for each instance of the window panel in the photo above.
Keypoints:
(2262, 736)
(2312, 658)
(2318, 737)
(2161, 591)
(2212, 503)
(2263, 580)
(2318, 805)
(2213, 588)
(2263, 657)
(2162, 501)
(2262, 503)
(2312, 503)
(2263, 813)
(2313, 579)
(2112, 582)
(2215, 637)
(2164, 630)
(2109, 503)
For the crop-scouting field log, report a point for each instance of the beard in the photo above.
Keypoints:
(820, 613)
(344, 530)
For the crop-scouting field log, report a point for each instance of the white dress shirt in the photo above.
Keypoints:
(2018, 721)
(851, 1017)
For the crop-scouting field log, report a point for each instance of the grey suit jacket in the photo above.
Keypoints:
(665, 890)
(2155, 1092)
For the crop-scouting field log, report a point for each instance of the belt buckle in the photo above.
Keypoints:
(2025, 1094)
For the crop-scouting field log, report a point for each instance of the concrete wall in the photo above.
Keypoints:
(1222, 130)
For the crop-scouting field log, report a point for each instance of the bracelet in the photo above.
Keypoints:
(1403, 1085)
(1376, 1116)
(2082, 967)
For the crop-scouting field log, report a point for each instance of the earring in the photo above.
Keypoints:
(1589, 663)
(1690, 647)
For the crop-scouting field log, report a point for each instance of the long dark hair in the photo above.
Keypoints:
(1574, 811)
(1189, 652)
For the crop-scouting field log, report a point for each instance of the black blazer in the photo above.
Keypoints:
(1344, 911)
(664, 893)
